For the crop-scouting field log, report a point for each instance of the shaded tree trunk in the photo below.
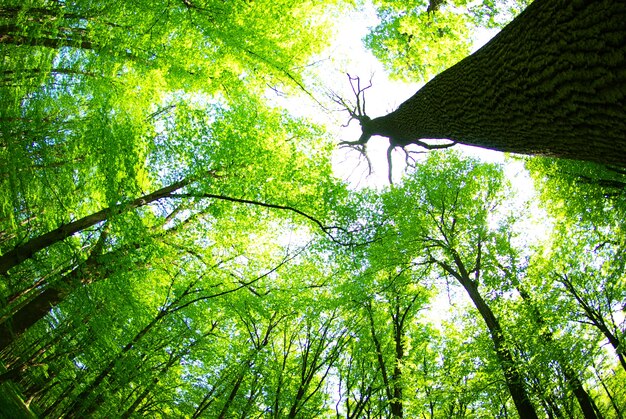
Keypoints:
(571, 376)
(514, 380)
(596, 318)
(28, 315)
(379, 356)
(91, 270)
(552, 83)
(53, 292)
(616, 408)
(233, 393)
(16, 322)
(24, 251)
(86, 398)
(397, 410)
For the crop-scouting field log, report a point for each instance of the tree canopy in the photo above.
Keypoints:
(174, 241)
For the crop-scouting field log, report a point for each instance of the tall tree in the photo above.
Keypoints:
(552, 83)
(452, 201)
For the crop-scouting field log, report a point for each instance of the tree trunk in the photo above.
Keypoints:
(597, 319)
(610, 396)
(233, 393)
(552, 83)
(28, 315)
(397, 410)
(513, 379)
(24, 251)
(91, 270)
(86, 398)
(379, 356)
(571, 376)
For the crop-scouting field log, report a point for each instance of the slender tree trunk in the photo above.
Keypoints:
(205, 403)
(512, 377)
(596, 318)
(379, 355)
(13, 326)
(149, 388)
(40, 14)
(85, 399)
(58, 401)
(14, 374)
(12, 34)
(24, 251)
(618, 413)
(17, 321)
(571, 377)
(397, 410)
(233, 394)
(28, 315)
(552, 83)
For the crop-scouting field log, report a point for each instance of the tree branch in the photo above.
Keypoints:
(325, 229)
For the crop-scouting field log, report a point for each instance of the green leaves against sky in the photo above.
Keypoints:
(175, 244)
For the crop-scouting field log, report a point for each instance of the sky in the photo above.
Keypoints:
(348, 55)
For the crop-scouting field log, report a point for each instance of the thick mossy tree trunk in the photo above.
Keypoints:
(552, 83)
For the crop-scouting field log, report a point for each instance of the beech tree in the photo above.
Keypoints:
(173, 243)
(551, 83)
(441, 219)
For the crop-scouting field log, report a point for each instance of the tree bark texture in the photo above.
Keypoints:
(552, 82)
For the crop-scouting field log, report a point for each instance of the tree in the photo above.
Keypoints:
(464, 248)
(103, 104)
(438, 218)
(587, 244)
(550, 83)
(555, 353)
(173, 244)
(579, 270)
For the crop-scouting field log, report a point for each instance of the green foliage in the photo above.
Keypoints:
(259, 285)
(582, 191)
(12, 404)
(417, 46)
(418, 39)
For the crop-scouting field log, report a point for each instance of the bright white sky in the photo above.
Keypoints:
(348, 55)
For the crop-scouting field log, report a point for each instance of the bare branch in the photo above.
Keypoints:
(409, 160)
(330, 231)
(355, 110)
(359, 93)
(361, 148)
